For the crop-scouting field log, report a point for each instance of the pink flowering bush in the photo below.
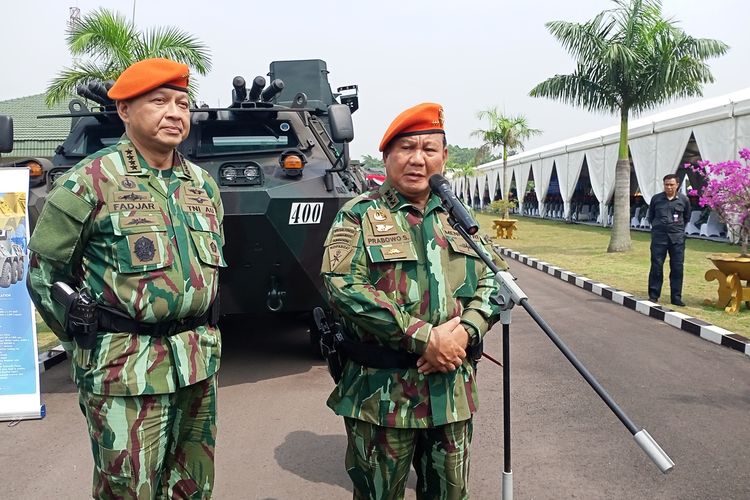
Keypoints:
(728, 193)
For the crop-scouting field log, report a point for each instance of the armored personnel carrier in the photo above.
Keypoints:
(279, 153)
(11, 259)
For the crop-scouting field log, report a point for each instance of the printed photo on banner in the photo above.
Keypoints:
(19, 373)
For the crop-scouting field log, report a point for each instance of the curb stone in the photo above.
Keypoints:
(696, 326)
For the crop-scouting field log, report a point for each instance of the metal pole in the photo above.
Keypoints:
(507, 471)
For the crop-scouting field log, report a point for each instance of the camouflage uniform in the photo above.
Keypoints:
(393, 273)
(148, 245)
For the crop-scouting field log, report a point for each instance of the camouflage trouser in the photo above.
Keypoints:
(378, 460)
(153, 446)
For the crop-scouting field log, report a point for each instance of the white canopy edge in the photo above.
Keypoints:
(735, 105)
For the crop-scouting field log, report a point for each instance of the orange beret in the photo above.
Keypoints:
(425, 118)
(146, 75)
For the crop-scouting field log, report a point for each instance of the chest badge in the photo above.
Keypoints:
(381, 222)
(128, 183)
(139, 221)
(144, 249)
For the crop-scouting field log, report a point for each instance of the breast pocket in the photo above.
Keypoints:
(207, 242)
(462, 270)
(393, 271)
(141, 242)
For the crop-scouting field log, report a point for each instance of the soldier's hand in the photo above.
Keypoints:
(444, 353)
(461, 337)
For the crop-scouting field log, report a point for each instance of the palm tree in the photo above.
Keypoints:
(508, 133)
(628, 59)
(111, 43)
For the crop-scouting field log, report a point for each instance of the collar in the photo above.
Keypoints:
(135, 164)
(396, 201)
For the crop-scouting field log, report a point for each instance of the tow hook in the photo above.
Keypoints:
(275, 300)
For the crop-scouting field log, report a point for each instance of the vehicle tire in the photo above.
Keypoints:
(6, 274)
(19, 271)
(13, 273)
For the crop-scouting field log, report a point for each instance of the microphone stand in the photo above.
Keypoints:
(509, 294)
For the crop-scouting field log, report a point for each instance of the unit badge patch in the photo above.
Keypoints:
(144, 249)
(128, 183)
(381, 222)
(340, 248)
(397, 251)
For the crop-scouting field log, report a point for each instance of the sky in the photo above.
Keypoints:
(467, 55)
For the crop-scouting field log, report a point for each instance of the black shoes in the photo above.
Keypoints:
(678, 302)
(654, 299)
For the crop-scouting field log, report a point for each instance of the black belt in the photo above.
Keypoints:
(376, 356)
(117, 322)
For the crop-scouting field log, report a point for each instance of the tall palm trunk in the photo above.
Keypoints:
(620, 237)
(506, 184)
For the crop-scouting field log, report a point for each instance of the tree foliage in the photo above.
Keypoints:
(628, 59)
(373, 163)
(458, 158)
(508, 133)
(104, 43)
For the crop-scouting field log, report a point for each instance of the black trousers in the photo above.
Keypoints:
(661, 245)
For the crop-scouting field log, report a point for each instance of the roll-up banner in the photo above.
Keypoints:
(19, 373)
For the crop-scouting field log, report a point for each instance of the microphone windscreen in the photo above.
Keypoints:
(436, 180)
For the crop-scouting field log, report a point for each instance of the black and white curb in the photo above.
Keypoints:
(696, 326)
(48, 359)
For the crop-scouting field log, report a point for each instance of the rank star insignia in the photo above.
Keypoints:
(379, 215)
(391, 199)
(132, 166)
(381, 228)
(144, 249)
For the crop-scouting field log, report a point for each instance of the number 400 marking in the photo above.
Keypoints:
(305, 213)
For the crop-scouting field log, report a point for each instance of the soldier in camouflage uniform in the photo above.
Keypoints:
(401, 278)
(140, 228)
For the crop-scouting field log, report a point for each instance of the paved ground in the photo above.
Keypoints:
(278, 440)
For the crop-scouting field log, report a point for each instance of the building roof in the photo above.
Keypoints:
(26, 126)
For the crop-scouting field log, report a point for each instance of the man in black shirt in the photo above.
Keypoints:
(668, 213)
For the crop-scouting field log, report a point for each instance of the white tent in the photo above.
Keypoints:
(720, 126)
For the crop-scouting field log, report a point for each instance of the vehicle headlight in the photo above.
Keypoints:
(252, 172)
(229, 173)
(233, 174)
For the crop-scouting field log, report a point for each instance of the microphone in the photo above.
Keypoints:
(442, 188)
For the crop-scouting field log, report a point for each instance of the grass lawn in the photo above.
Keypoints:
(46, 340)
(582, 249)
